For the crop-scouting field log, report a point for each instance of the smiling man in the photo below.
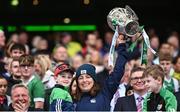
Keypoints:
(133, 102)
(20, 99)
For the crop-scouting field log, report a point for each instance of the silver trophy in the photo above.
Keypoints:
(125, 19)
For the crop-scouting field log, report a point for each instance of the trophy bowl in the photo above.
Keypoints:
(125, 19)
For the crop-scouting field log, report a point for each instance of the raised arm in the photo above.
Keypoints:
(114, 78)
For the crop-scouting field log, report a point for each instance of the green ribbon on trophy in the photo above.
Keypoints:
(144, 53)
(125, 21)
(145, 47)
(133, 45)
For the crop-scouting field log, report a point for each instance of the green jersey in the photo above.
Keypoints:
(36, 90)
(169, 85)
(162, 101)
(60, 92)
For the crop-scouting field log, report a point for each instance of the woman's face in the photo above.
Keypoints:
(85, 82)
(38, 68)
(73, 87)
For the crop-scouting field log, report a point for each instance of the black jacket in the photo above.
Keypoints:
(126, 103)
(4, 106)
(178, 100)
(102, 76)
(11, 83)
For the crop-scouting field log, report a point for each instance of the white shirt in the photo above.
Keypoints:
(48, 80)
(136, 96)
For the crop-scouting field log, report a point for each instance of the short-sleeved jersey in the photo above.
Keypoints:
(36, 90)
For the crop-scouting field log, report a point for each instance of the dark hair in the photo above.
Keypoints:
(17, 46)
(175, 59)
(42, 52)
(58, 46)
(154, 36)
(89, 33)
(14, 59)
(155, 71)
(165, 57)
(26, 59)
(93, 92)
(70, 89)
(1, 77)
(64, 34)
(137, 69)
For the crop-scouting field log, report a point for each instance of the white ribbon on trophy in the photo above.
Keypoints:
(112, 49)
(146, 39)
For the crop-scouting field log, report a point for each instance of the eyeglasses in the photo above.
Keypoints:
(26, 66)
(137, 78)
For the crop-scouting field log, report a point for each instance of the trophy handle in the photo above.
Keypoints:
(132, 14)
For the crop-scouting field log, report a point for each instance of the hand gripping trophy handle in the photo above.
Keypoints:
(125, 19)
(122, 21)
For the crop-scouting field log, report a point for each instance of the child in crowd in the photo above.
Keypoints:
(60, 98)
(169, 83)
(17, 50)
(4, 99)
(158, 98)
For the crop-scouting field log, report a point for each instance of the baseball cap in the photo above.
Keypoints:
(62, 68)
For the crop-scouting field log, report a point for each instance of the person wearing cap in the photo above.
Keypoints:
(89, 96)
(60, 98)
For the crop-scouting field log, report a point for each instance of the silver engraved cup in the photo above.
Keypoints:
(125, 19)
